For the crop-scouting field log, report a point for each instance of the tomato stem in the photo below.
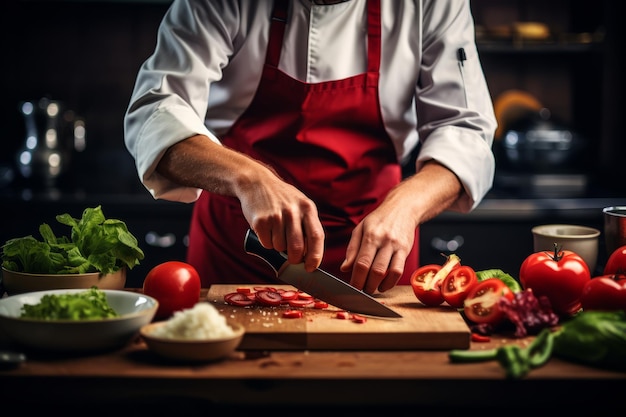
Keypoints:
(558, 254)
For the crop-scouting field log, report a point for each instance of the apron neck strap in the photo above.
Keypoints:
(279, 21)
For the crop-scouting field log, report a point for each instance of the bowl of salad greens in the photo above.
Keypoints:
(74, 320)
(96, 251)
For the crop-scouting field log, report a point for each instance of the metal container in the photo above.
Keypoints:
(614, 227)
(539, 144)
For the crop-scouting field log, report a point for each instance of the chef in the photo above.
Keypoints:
(295, 118)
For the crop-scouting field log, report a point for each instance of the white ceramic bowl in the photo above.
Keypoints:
(192, 350)
(582, 240)
(22, 282)
(134, 310)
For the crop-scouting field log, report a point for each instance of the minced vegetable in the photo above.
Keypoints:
(90, 304)
(203, 321)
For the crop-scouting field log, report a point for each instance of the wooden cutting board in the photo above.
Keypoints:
(420, 328)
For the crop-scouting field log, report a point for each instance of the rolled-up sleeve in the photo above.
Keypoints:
(456, 122)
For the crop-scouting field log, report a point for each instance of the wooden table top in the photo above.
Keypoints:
(313, 378)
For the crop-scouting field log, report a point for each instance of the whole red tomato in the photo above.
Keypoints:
(481, 304)
(559, 275)
(457, 285)
(175, 285)
(606, 292)
(616, 264)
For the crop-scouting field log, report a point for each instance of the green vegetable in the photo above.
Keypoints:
(85, 305)
(95, 244)
(510, 282)
(595, 338)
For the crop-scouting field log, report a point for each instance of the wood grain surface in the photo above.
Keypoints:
(421, 328)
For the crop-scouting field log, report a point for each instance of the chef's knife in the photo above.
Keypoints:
(319, 284)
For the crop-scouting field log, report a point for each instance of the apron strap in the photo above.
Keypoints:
(279, 21)
(277, 32)
(373, 36)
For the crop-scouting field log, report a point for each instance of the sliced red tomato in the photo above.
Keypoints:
(269, 297)
(426, 287)
(457, 285)
(289, 295)
(426, 280)
(480, 338)
(320, 304)
(357, 318)
(299, 302)
(481, 304)
(293, 314)
(606, 292)
(344, 315)
(239, 299)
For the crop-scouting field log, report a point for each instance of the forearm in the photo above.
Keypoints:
(201, 163)
(430, 191)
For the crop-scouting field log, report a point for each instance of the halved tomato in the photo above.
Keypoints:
(458, 284)
(426, 284)
(481, 304)
(426, 280)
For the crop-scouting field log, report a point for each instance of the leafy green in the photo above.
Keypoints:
(95, 244)
(85, 305)
(595, 338)
(511, 282)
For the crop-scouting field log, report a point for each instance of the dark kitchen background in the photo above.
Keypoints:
(557, 84)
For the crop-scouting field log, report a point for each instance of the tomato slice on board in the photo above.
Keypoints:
(481, 304)
(425, 287)
(300, 302)
(238, 299)
(269, 297)
(343, 315)
(357, 318)
(458, 284)
(289, 295)
(293, 314)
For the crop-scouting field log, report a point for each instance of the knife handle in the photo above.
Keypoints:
(252, 245)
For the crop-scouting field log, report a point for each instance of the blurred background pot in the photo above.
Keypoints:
(538, 143)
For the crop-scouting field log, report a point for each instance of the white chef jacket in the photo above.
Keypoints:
(210, 53)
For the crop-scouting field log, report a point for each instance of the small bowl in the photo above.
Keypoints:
(192, 350)
(76, 336)
(581, 240)
(22, 282)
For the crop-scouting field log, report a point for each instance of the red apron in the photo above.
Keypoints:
(327, 139)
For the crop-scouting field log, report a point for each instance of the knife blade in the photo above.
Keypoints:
(319, 284)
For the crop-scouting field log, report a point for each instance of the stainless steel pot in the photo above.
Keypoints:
(537, 143)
